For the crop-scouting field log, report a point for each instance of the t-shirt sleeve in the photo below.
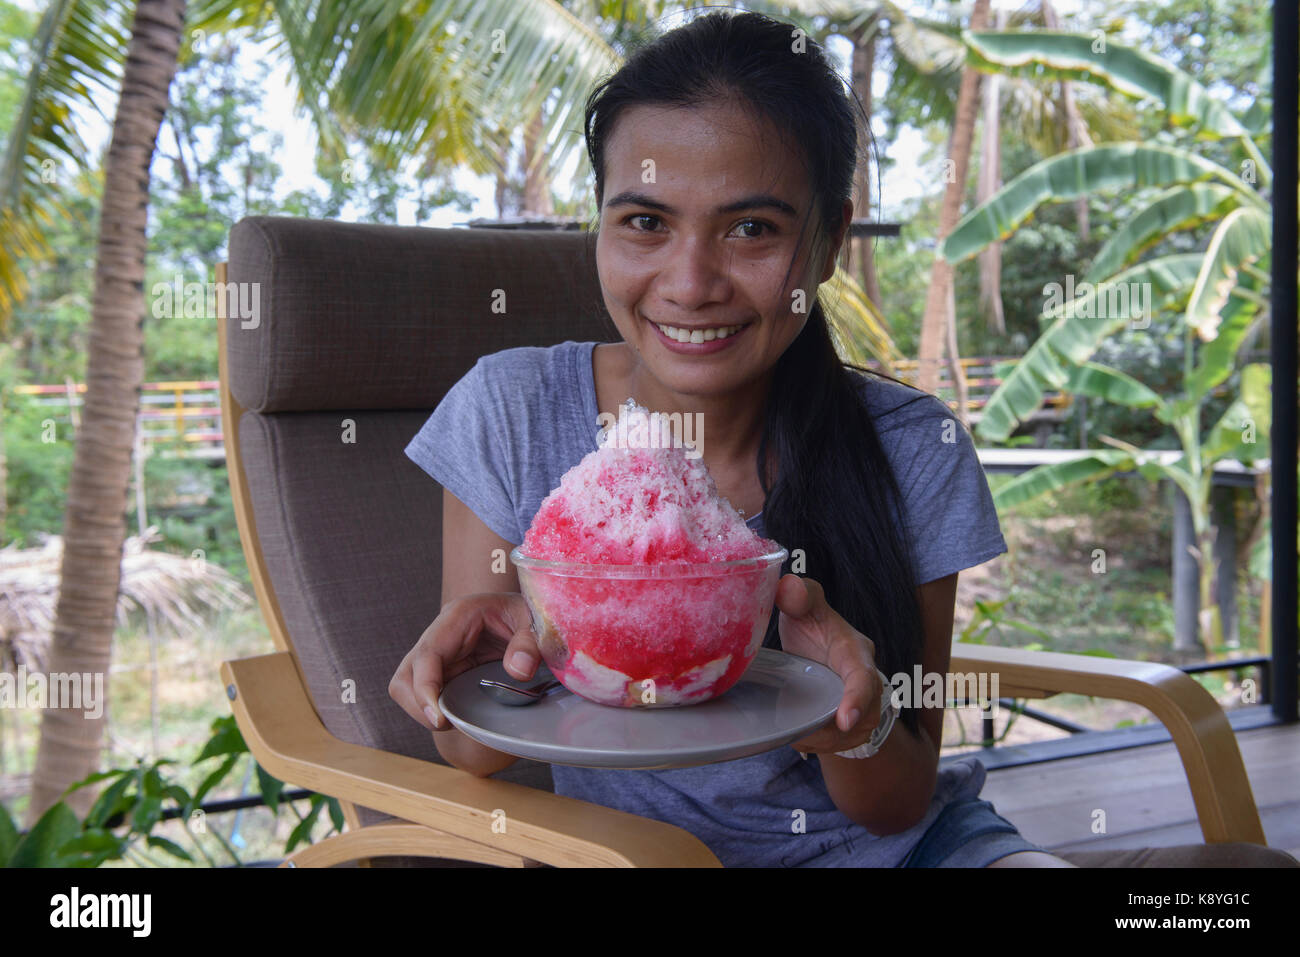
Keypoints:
(951, 521)
(462, 446)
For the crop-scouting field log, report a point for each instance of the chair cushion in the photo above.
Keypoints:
(358, 316)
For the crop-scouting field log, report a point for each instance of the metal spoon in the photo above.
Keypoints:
(516, 697)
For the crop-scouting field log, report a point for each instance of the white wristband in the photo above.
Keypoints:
(888, 715)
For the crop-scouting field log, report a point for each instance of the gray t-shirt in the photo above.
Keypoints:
(746, 811)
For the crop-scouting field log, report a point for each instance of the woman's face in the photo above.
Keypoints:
(701, 220)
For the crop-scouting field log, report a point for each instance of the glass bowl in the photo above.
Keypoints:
(650, 636)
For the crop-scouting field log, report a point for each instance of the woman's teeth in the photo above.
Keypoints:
(698, 335)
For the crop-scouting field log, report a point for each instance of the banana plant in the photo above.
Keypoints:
(1220, 293)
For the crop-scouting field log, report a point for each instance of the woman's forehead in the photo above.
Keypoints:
(702, 149)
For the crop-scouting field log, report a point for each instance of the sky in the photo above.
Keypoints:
(905, 181)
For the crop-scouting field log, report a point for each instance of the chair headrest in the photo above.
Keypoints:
(328, 315)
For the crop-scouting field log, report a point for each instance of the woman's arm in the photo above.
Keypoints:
(891, 790)
(467, 549)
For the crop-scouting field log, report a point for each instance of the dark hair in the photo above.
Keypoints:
(834, 494)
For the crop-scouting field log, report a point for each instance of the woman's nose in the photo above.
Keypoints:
(693, 274)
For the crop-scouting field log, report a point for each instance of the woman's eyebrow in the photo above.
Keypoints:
(755, 201)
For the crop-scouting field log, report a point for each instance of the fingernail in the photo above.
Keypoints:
(522, 663)
(432, 715)
(854, 715)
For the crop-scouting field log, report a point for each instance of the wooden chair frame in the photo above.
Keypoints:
(448, 813)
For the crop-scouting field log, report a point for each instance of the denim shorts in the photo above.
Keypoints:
(967, 833)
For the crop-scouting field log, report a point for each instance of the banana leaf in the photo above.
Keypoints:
(1076, 173)
(1073, 338)
(1097, 381)
(1050, 478)
(1244, 236)
(1179, 208)
(1099, 59)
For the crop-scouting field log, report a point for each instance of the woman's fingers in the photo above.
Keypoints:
(467, 632)
(851, 657)
(521, 656)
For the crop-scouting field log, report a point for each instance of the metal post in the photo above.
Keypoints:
(1223, 503)
(1184, 570)
(1283, 336)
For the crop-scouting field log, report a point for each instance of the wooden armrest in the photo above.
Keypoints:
(1206, 744)
(285, 734)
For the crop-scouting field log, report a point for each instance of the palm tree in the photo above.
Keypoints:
(939, 316)
(446, 82)
(876, 30)
(95, 526)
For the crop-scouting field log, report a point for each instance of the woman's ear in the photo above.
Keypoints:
(837, 240)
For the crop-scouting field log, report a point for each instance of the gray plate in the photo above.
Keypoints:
(780, 699)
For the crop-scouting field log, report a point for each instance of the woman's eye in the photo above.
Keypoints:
(756, 229)
(645, 222)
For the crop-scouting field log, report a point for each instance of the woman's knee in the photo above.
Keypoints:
(1031, 859)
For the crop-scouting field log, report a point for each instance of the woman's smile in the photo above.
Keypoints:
(697, 340)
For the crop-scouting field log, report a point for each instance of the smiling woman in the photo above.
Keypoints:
(724, 155)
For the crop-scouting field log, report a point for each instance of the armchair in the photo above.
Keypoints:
(353, 336)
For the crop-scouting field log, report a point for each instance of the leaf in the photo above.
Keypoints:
(1110, 385)
(1216, 360)
(42, 845)
(96, 777)
(170, 847)
(148, 812)
(1098, 653)
(1049, 478)
(302, 833)
(112, 801)
(1074, 174)
(1180, 208)
(93, 847)
(1242, 238)
(1073, 337)
(180, 796)
(225, 740)
(336, 814)
(8, 836)
(1075, 56)
(215, 778)
(271, 788)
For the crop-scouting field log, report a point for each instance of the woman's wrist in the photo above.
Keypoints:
(888, 716)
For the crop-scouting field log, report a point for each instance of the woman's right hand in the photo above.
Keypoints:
(469, 631)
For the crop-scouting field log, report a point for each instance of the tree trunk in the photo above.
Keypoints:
(95, 521)
(936, 300)
(955, 369)
(1076, 131)
(537, 182)
(989, 182)
(864, 247)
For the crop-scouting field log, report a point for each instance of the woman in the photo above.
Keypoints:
(724, 155)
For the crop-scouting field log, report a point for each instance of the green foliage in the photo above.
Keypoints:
(128, 809)
(38, 451)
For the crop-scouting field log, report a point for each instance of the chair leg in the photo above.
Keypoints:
(353, 821)
(399, 839)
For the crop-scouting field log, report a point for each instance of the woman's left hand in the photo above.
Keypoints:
(810, 628)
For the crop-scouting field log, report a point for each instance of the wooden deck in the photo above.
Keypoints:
(1145, 795)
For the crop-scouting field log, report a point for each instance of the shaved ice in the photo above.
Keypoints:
(647, 588)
